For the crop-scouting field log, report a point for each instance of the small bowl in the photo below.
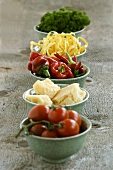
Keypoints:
(58, 150)
(77, 106)
(42, 35)
(80, 56)
(81, 80)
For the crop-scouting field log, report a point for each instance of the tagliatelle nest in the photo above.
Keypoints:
(61, 43)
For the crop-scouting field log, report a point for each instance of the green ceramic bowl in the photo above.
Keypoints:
(78, 106)
(80, 56)
(58, 150)
(81, 80)
(42, 35)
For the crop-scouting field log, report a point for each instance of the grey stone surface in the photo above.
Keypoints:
(17, 19)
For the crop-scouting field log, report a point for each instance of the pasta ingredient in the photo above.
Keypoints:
(60, 43)
(70, 94)
(46, 87)
(48, 93)
(39, 99)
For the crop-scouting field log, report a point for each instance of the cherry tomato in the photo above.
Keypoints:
(49, 134)
(34, 55)
(57, 114)
(69, 128)
(29, 65)
(38, 113)
(37, 129)
(75, 116)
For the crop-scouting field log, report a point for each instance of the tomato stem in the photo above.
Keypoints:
(49, 126)
(59, 125)
(19, 132)
(32, 123)
(53, 107)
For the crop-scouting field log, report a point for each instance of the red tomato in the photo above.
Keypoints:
(75, 116)
(49, 134)
(57, 114)
(34, 55)
(69, 128)
(37, 129)
(38, 113)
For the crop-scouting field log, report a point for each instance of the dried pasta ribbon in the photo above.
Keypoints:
(60, 43)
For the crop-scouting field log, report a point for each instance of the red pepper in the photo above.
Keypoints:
(40, 66)
(60, 70)
(72, 64)
(63, 59)
(82, 71)
(75, 58)
(50, 59)
(34, 55)
(29, 65)
(76, 67)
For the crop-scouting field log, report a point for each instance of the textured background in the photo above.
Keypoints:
(17, 19)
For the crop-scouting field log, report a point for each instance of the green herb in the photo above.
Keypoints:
(64, 20)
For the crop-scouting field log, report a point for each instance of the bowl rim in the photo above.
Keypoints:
(39, 31)
(64, 80)
(88, 122)
(81, 53)
(76, 32)
(35, 104)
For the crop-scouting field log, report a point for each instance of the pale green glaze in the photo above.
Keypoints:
(58, 150)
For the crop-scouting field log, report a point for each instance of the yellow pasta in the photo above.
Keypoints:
(60, 43)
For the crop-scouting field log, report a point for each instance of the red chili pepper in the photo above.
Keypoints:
(75, 58)
(82, 70)
(63, 59)
(40, 66)
(60, 70)
(76, 67)
(72, 64)
(50, 59)
(56, 59)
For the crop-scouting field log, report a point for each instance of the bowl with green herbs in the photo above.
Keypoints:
(65, 20)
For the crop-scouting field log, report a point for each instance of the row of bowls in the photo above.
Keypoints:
(58, 150)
